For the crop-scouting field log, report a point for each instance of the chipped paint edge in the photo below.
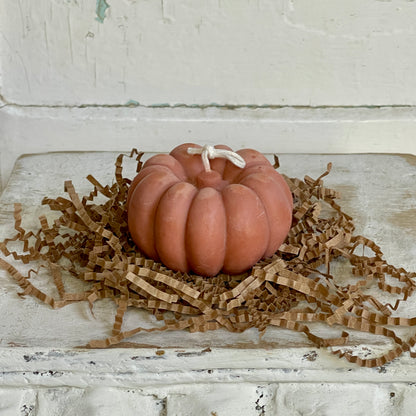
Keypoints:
(100, 10)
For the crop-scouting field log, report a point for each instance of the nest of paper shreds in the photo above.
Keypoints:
(90, 241)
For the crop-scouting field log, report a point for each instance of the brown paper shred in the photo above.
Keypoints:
(276, 164)
(118, 321)
(291, 290)
(57, 278)
(289, 249)
(167, 280)
(151, 290)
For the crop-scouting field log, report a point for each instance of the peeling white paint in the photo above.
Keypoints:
(100, 10)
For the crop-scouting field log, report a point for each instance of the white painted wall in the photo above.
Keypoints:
(335, 76)
(262, 52)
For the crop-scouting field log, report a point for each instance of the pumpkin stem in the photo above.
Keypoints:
(210, 152)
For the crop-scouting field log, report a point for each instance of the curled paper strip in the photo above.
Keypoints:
(294, 287)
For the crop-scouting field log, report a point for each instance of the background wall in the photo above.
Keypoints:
(277, 75)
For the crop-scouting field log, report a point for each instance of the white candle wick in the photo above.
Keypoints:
(208, 152)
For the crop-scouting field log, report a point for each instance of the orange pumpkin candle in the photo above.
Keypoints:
(208, 209)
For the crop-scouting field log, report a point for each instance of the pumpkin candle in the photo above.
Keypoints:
(208, 209)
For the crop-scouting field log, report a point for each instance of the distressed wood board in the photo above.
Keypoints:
(379, 191)
(263, 52)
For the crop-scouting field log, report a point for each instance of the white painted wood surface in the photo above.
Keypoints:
(285, 130)
(258, 52)
(178, 373)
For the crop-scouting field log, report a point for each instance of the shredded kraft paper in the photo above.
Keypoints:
(90, 241)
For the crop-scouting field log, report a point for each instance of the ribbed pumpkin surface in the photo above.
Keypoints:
(224, 219)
